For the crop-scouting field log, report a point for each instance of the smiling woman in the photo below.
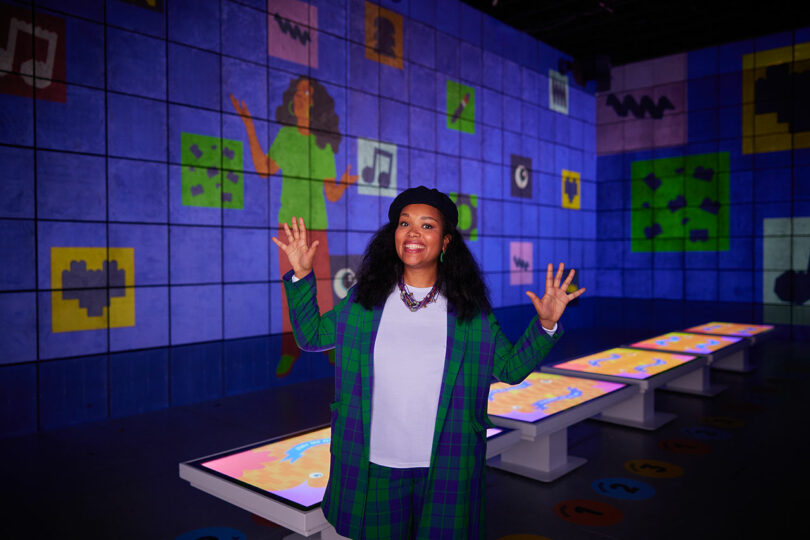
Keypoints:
(416, 348)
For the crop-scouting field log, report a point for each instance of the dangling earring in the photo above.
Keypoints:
(289, 108)
(441, 257)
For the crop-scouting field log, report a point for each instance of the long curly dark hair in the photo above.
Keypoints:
(459, 276)
(323, 120)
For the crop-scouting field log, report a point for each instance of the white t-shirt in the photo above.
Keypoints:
(409, 357)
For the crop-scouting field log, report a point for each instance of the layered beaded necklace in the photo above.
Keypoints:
(410, 301)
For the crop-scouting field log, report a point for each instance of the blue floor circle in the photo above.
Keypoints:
(623, 488)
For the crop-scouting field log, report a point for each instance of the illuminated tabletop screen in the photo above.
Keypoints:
(687, 343)
(630, 363)
(294, 469)
(731, 329)
(544, 394)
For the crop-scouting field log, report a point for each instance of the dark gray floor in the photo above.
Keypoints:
(118, 479)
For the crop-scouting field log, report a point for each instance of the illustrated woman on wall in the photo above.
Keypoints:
(304, 151)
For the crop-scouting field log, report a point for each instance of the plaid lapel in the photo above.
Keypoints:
(372, 323)
(456, 339)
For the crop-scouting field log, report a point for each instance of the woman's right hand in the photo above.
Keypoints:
(299, 254)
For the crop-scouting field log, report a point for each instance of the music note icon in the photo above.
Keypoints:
(33, 55)
(381, 178)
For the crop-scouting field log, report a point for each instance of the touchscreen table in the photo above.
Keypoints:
(542, 407)
(645, 370)
(718, 351)
(284, 480)
(752, 333)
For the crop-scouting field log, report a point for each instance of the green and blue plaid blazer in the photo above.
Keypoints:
(476, 350)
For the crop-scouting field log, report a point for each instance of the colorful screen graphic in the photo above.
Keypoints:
(689, 343)
(731, 329)
(544, 394)
(295, 469)
(630, 363)
(681, 203)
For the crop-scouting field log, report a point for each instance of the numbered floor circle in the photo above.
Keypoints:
(653, 468)
(623, 488)
(588, 512)
(685, 446)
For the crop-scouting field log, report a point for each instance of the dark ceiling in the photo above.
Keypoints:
(633, 30)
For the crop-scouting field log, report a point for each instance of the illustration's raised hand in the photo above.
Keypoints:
(298, 252)
(348, 178)
(241, 109)
(555, 299)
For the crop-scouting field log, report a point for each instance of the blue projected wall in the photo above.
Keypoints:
(704, 185)
(150, 150)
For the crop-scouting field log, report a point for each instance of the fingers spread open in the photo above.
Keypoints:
(549, 269)
(576, 293)
(568, 280)
(558, 276)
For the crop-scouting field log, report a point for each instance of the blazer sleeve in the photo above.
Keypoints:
(513, 363)
(313, 332)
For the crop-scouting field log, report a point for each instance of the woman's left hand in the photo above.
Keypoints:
(550, 308)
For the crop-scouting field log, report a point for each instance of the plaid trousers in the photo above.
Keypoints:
(394, 502)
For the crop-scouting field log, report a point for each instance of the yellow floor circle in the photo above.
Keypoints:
(653, 468)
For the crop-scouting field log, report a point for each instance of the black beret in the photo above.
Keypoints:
(423, 195)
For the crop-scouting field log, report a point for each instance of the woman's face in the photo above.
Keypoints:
(418, 237)
(302, 102)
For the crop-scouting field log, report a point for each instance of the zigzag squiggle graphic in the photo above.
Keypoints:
(638, 109)
(294, 31)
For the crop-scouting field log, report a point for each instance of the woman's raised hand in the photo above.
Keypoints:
(299, 254)
(550, 308)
